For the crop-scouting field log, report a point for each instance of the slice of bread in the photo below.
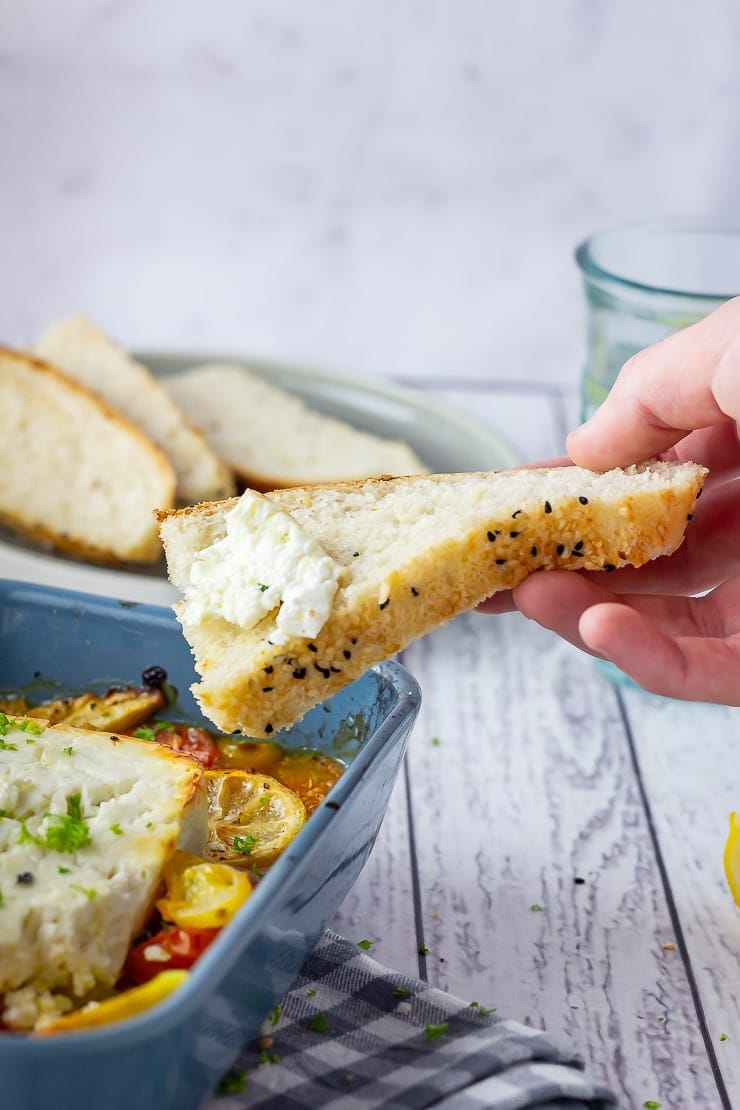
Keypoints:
(75, 474)
(414, 552)
(83, 352)
(272, 440)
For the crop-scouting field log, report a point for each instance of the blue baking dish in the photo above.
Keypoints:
(172, 1056)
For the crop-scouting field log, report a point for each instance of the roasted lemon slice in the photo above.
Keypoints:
(251, 818)
(201, 894)
(120, 1006)
(732, 857)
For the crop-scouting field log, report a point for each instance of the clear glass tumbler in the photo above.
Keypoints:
(645, 280)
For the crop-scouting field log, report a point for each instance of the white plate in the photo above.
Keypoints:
(446, 441)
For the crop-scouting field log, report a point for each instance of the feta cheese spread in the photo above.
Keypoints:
(265, 563)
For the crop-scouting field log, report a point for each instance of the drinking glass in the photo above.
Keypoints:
(645, 280)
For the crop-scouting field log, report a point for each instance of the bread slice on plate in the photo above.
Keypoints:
(404, 555)
(83, 352)
(272, 440)
(89, 821)
(75, 474)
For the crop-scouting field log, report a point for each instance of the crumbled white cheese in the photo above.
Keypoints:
(265, 563)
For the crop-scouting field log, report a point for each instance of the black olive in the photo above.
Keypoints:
(154, 677)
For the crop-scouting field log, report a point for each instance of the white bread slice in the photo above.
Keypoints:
(83, 352)
(67, 925)
(272, 440)
(414, 553)
(75, 474)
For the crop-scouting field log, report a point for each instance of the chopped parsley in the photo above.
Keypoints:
(26, 725)
(116, 829)
(245, 844)
(146, 732)
(71, 832)
(274, 1015)
(536, 907)
(484, 1011)
(63, 870)
(651, 1104)
(255, 871)
(311, 992)
(423, 950)
(68, 751)
(266, 1057)
(232, 1083)
(723, 1037)
(262, 587)
(366, 945)
(400, 992)
(436, 741)
(432, 1032)
(318, 1023)
(5, 747)
(89, 892)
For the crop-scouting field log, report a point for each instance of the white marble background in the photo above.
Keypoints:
(389, 187)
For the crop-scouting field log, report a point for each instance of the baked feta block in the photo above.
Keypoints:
(87, 822)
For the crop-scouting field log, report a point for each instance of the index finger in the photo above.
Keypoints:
(689, 380)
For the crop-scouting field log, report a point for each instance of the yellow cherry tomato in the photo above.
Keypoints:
(251, 818)
(201, 894)
(120, 1006)
(732, 857)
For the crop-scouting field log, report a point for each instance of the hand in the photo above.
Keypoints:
(681, 399)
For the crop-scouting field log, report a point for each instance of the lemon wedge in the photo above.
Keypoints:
(251, 818)
(732, 857)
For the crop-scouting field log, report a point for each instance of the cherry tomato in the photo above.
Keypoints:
(167, 950)
(189, 740)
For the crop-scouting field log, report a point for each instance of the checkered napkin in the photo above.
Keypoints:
(353, 1035)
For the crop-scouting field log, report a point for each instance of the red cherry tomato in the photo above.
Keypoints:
(168, 949)
(191, 741)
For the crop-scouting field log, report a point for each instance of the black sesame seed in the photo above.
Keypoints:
(513, 535)
(382, 604)
(313, 648)
(347, 653)
(355, 554)
(414, 591)
(25, 878)
(548, 507)
(500, 562)
(515, 514)
(583, 500)
(560, 548)
(490, 536)
(335, 670)
(299, 672)
(269, 729)
(689, 516)
(322, 670)
(701, 491)
(267, 689)
(610, 566)
(353, 639)
(578, 546)
(578, 554)
(578, 880)
(268, 669)
(533, 551)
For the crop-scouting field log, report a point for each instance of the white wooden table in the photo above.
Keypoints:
(556, 841)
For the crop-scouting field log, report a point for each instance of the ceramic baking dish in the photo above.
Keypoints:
(172, 1056)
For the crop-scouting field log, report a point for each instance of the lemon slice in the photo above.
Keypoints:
(251, 818)
(201, 894)
(732, 857)
(120, 1006)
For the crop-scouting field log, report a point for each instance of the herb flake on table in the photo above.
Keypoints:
(318, 1023)
(365, 945)
(232, 1083)
(433, 1031)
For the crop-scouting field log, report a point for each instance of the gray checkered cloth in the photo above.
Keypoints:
(353, 1035)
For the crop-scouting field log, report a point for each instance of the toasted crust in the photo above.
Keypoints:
(415, 552)
(77, 475)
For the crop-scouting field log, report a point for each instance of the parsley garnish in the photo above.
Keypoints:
(63, 870)
(262, 587)
(400, 992)
(26, 725)
(366, 945)
(255, 871)
(651, 1104)
(4, 747)
(244, 844)
(311, 992)
(274, 1015)
(723, 1037)
(145, 732)
(423, 950)
(318, 1023)
(116, 829)
(484, 1011)
(71, 832)
(232, 1083)
(68, 751)
(89, 892)
(536, 907)
(266, 1057)
(432, 1031)
(436, 741)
